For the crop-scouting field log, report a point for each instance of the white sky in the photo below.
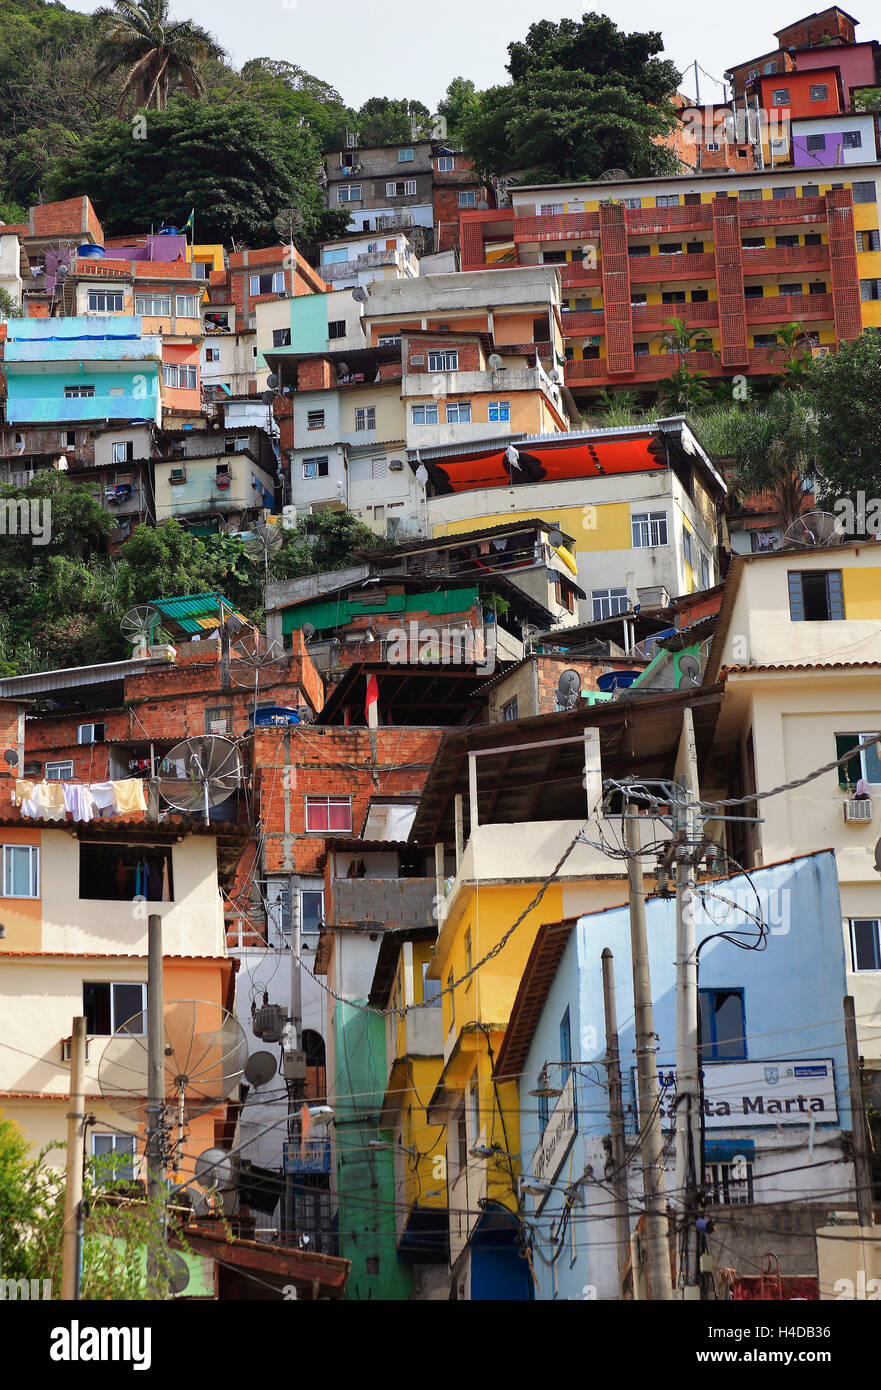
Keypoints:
(406, 48)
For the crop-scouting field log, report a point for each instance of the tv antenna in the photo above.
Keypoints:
(260, 543)
(815, 529)
(254, 659)
(202, 772)
(203, 1061)
(138, 626)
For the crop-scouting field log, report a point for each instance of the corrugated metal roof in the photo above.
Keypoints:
(194, 612)
(42, 682)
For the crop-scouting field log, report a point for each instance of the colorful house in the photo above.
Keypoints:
(88, 369)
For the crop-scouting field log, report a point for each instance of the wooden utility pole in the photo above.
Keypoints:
(616, 1114)
(859, 1124)
(651, 1140)
(71, 1245)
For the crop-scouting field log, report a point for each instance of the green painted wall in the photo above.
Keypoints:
(309, 323)
(325, 613)
(365, 1177)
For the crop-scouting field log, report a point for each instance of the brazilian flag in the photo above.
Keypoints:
(190, 222)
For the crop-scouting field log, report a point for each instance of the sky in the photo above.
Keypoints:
(396, 48)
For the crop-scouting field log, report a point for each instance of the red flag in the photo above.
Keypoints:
(372, 694)
(305, 1126)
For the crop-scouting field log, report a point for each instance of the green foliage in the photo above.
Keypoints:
(683, 390)
(139, 36)
(237, 165)
(460, 102)
(677, 337)
(845, 391)
(596, 45)
(9, 308)
(774, 449)
(295, 96)
(385, 121)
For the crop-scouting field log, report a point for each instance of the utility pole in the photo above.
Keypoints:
(651, 1140)
(71, 1249)
(293, 1062)
(156, 1193)
(859, 1124)
(616, 1114)
(688, 1091)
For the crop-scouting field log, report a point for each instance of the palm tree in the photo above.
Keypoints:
(683, 390)
(774, 450)
(679, 338)
(794, 342)
(140, 36)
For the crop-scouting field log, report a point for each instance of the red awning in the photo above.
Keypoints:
(467, 472)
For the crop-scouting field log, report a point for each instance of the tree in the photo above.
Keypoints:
(237, 165)
(461, 101)
(678, 338)
(384, 121)
(158, 51)
(683, 390)
(583, 97)
(844, 392)
(294, 95)
(774, 449)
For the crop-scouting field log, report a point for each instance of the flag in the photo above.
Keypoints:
(371, 711)
(305, 1126)
(190, 222)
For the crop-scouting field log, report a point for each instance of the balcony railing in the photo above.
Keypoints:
(341, 270)
(657, 315)
(675, 265)
(777, 210)
(577, 273)
(642, 220)
(577, 321)
(786, 257)
(790, 308)
(655, 366)
(560, 226)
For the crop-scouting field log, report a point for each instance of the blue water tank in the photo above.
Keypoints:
(269, 715)
(617, 680)
(89, 252)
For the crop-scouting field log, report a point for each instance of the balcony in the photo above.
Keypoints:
(40, 409)
(580, 321)
(657, 315)
(368, 260)
(789, 308)
(675, 266)
(778, 258)
(654, 367)
(774, 211)
(577, 273)
(561, 226)
(643, 220)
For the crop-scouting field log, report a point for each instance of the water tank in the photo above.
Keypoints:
(88, 252)
(617, 680)
(268, 715)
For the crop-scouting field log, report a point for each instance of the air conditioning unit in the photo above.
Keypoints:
(858, 812)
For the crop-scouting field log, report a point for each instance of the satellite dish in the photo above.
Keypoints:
(214, 1168)
(690, 671)
(555, 377)
(308, 631)
(613, 176)
(568, 689)
(555, 537)
(814, 529)
(255, 661)
(878, 857)
(260, 543)
(495, 361)
(10, 757)
(204, 1061)
(288, 222)
(359, 294)
(267, 397)
(272, 380)
(138, 625)
(199, 773)
(260, 1068)
(177, 1271)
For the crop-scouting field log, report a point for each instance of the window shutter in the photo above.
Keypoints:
(796, 598)
(836, 596)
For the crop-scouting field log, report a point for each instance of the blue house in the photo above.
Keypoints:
(775, 1080)
(88, 369)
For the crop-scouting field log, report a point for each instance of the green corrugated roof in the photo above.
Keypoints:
(188, 609)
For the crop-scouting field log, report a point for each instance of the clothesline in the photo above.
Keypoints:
(83, 800)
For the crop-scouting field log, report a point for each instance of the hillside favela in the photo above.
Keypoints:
(440, 675)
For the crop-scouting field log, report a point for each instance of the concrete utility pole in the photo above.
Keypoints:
(616, 1114)
(651, 1140)
(71, 1248)
(293, 1061)
(688, 1091)
(859, 1124)
(156, 1192)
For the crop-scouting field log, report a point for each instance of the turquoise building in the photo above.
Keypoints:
(90, 369)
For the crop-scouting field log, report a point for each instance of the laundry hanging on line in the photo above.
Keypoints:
(54, 800)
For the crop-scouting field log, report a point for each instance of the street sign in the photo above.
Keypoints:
(315, 1157)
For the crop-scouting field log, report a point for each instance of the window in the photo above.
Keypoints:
(324, 813)
(637, 301)
(780, 96)
(431, 989)
(789, 289)
(474, 1108)
(468, 199)
(402, 188)
(405, 156)
(869, 289)
(179, 375)
(59, 772)
(769, 69)
(815, 142)
(639, 251)
(445, 164)
(867, 241)
(673, 297)
(72, 393)
(852, 140)
(670, 248)
(865, 764)
(153, 305)
(639, 350)
(389, 340)
(753, 291)
(212, 354)
(108, 1006)
(451, 996)
(686, 545)
(667, 200)
(21, 871)
(90, 733)
(337, 329)
(810, 190)
(317, 467)
(424, 414)
(116, 1158)
(365, 418)
(553, 258)
(458, 412)
(649, 528)
(509, 711)
(705, 572)
(565, 1042)
(865, 943)
(443, 361)
(349, 193)
(551, 209)
(785, 192)
(468, 960)
(311, 909)
(499, 412)
(721, 1020)
(121, 873)
(104, 303)
(218, 719)
(234, 445)
(123, 451)
(607, 602)
(817, 287)
(700, 296)
(186, 306)
(864, 192)
(819, 91)
(281, 337)
(729, 1184)
(271, 282)
(750, 195)
(335, 255)
(378, 471)
(815, 596)
(314, 419)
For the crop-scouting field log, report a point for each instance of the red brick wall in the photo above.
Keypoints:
(315, 376)
(468, 350)
(72, 217)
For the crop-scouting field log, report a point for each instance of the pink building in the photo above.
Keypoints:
(857, 64)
